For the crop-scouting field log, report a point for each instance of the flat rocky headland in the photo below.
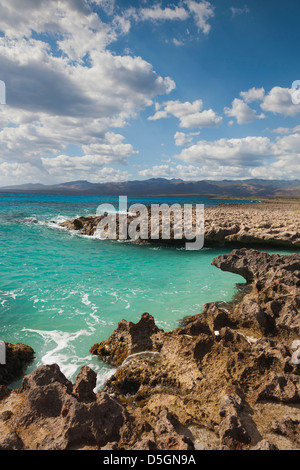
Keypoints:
(273, 224)
(228, 378)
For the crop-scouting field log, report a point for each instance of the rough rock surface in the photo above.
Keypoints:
(226, 379)
(268, 223)
(225, 374)
(18, 356)
(58, 415)
(128, 339)
(265, 224)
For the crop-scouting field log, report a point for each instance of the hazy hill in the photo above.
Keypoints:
(163, 187)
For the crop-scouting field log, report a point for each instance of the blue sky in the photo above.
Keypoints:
(109, 90)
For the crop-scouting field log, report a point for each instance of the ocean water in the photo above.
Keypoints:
(61, 292)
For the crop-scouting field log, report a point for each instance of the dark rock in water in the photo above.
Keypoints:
(18, 357)
(78, 225)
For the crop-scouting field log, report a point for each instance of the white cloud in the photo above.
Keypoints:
(286, 130)
(21, 173)
(189, 114)
(183, 140)
(76, 27)
(254, 94)
(242, 112)
(239, 11)
(245, 152)
(107, 5)
(57, 100)
(200, 11)
(177, 42)
(196, 173)
(250, 157)
(203, 11)
(157, 13)
(279, 101)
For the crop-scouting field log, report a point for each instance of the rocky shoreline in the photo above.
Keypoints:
(271, 224)
(229, 378)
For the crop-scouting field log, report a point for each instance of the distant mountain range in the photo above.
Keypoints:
(254, 188)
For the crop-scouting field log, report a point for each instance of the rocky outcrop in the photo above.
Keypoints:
(128, 339)
(49, 413)
(237, 426)
(272, 307)
(225, 373)
(280, 388)
(287, 427)
(18, 357)
(227, 379)
(266, 224)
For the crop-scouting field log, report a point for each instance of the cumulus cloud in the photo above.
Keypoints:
(288, 166)
(74, 96)
(190, 115)
(279, 101)
(10, 173)
(248, 151)
(242, 112)
(249, 157)
(254, 94)
(184, 140)
(203, 11)
(200, 11)
(75, 26)
(157, 13)
(255, 156)
(286, 130)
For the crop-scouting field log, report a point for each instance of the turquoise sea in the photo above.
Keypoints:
(61, 292)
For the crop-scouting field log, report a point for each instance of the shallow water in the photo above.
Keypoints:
(61, 293)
